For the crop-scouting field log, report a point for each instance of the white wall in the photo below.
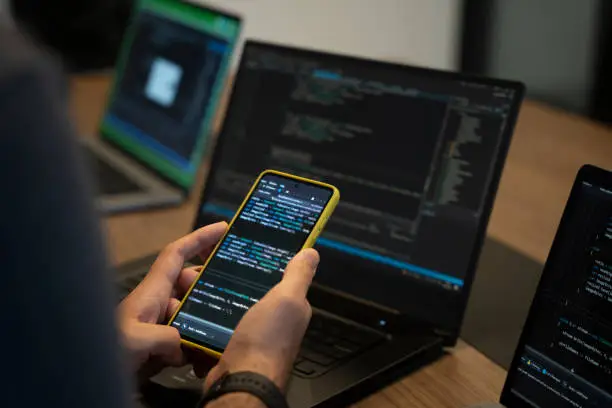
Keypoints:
(420, 32)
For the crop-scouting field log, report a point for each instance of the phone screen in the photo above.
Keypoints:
(271, 228)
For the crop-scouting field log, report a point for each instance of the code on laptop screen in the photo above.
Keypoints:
(414, 152)
(565, 356)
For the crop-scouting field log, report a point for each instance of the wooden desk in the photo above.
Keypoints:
(549, 147)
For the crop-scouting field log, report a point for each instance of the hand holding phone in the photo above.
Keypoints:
(281, 215)
(149, 344)
(269, 335)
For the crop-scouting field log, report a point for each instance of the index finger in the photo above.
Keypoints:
(300, 271)
(199, 240)
(170, 262)
(185, 279)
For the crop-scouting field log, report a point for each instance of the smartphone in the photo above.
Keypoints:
(281, 215)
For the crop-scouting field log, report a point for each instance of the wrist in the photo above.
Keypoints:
(236, 399)
(273, 371)
(244, 388)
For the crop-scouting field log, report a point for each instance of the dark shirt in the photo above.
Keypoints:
(59, 344)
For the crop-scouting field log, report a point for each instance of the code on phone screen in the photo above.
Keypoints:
(272, 226)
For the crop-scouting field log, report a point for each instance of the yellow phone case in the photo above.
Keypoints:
(310, 241)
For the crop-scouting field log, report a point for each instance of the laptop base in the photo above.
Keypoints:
(125, 185)
(365, 374)
(371, 369)
(358, 378)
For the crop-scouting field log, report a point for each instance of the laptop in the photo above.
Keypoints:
(564, 355)
(417, 155)
(170, 74)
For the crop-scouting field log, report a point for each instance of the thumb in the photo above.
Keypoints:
(163, 342)
(300, 271)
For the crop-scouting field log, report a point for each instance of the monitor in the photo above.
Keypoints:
(415, 153)
(169, 77)
(564, 356)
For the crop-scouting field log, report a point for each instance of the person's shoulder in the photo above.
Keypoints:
(27, 68)
(21, 57)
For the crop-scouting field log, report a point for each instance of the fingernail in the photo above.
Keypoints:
(310, 256)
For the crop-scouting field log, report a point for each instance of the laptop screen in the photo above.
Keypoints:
(564, 357)
(168, 80)
(415, 153)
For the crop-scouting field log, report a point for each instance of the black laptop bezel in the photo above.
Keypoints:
(449, 334)
(137, 8)
(587, 173)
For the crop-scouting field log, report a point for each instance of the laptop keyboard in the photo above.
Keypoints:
(110, 180)
(327, 343)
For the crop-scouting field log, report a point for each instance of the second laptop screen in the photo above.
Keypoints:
(168, 81)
